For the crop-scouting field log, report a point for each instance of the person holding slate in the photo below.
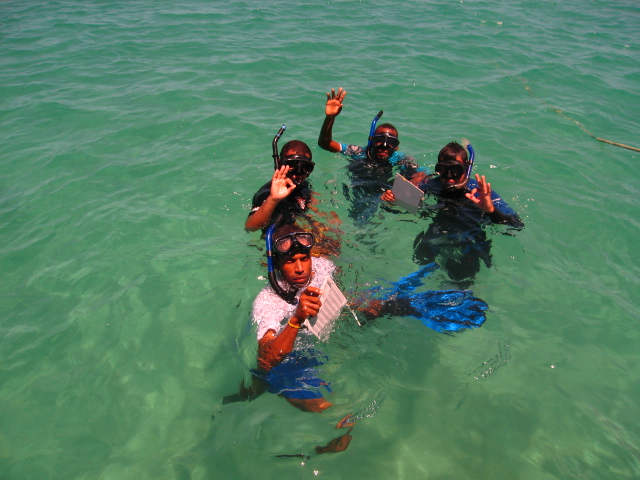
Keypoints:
(302, 299)
(456, 237)
(286, 355)
(372, 168)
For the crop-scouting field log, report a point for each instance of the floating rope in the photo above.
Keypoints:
(561, 113)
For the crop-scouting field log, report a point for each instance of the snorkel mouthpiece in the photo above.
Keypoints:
(289, 297)
(274, 145)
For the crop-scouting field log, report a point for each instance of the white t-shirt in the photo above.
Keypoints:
(272, 312)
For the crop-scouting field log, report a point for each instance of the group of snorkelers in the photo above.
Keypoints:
(455, 240)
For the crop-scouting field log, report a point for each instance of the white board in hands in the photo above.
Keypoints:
(332, 301)
(408, 196)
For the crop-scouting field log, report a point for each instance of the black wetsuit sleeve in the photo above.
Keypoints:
(260, 196)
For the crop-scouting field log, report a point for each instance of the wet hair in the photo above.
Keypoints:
(296, 147)
(450, 153)
(389, 126)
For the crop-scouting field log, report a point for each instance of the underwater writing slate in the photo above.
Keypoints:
(332, 302)
(407, 194)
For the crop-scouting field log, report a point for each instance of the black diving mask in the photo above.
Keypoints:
(299, 164)
(449, 170)
(386, 141)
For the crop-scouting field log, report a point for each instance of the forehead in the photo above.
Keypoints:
(453, 161)
(392, 131)
(303, 257)
(290, 153)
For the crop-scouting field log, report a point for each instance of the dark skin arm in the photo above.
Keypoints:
(273, 348)
(332, 110)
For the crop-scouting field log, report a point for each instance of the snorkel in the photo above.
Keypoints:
(289, 297)
(372, 132)
(274, 145)
(472, 156)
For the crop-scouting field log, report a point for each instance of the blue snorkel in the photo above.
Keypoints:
(472, 156)
(372, 131)
(289, 297)
(274, 145)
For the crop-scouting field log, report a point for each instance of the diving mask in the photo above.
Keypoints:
(299, 241)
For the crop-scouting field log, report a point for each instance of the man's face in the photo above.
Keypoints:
(382, 148)
(296, 269)
(298, 175)
(452, 178)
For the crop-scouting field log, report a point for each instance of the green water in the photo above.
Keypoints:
(133, 137)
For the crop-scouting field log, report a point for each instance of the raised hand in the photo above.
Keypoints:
(334, 102)
(483, 198)
(281, 185)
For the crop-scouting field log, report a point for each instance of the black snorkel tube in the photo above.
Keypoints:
(371, 133)
(289, 297)
(274, 145)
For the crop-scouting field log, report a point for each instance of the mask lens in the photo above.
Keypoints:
(284, 244)
(299, 167)
(449, 171)
(386, 141)
(303, 241)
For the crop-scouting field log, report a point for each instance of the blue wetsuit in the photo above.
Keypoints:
(369, 178)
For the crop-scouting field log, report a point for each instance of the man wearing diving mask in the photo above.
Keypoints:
(456, 238)
(288, 193)
(371, 168)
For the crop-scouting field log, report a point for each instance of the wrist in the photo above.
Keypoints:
(295, 323)
(273, 201)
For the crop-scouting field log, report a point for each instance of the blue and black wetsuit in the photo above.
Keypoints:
(456, 238)
(369, 178)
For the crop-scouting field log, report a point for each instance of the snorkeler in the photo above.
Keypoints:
(456, 238)
(287, 354)
(288, 193)
(288, 198)
(371, 168)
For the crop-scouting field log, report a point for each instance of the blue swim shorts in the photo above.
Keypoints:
(295, 376)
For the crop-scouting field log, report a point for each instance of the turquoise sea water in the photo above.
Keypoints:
(132, 138)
